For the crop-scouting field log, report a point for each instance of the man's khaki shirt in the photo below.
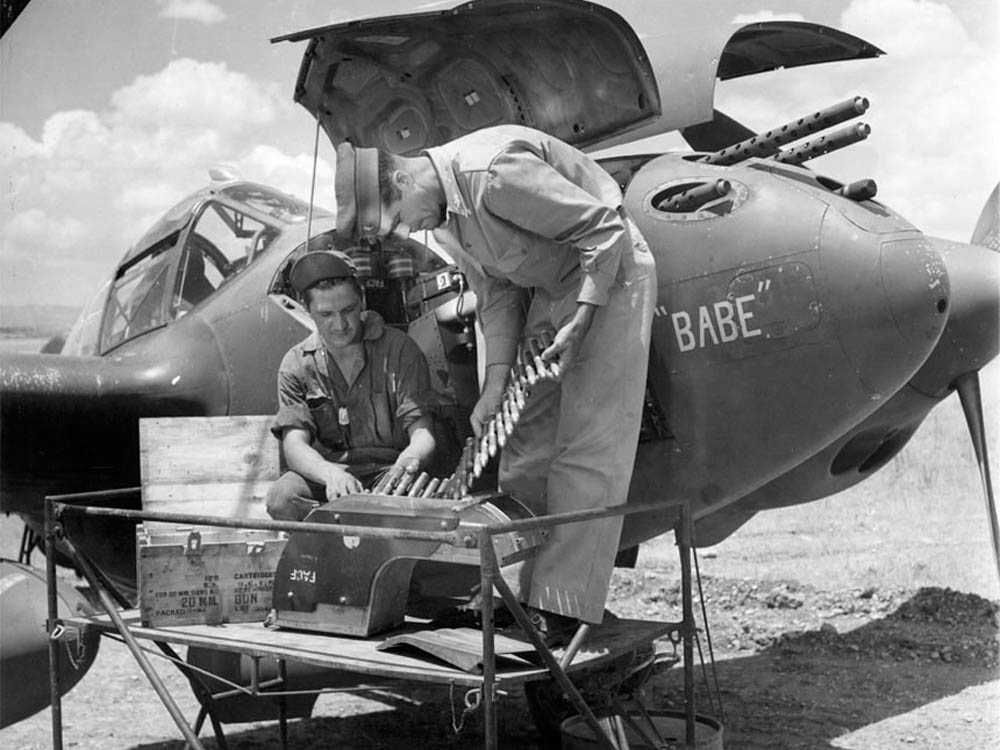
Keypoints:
(526, 210)
(368, 421)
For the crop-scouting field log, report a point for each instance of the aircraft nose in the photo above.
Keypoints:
(888, 299)
(917, 288)
(970, 338)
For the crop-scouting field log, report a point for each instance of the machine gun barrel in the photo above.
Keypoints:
(824, 144)
(768, 144)
(860, 190)
(694, 198)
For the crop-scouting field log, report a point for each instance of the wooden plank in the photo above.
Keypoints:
(229, 500)
(193, 450)
(359, 655)
(208, 577)
(219, 466)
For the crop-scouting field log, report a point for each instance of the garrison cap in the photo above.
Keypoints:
(359, 206)
(319, 265)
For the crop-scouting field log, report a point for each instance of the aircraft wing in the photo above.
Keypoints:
(67, 420)
(574, 69)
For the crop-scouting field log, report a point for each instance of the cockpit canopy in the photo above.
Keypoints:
(199, 245)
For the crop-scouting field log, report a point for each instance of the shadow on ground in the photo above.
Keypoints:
(809, 688)
(803, 690)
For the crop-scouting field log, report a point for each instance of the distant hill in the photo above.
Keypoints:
(36, 320)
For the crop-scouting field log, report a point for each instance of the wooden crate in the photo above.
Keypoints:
(199, 577)
(219, 466)
(213, 466)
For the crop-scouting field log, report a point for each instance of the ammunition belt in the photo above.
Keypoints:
(528, 370)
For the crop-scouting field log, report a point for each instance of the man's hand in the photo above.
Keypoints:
(490, 399)
(340, 482)
(398, 477)
(566, 345)
(406, 465)
(402, 473)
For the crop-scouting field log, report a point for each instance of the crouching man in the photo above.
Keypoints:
(353, 398)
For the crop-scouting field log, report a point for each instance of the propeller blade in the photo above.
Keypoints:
(987, 231)
(972, 404)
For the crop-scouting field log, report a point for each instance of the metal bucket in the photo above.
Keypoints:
(670, 726)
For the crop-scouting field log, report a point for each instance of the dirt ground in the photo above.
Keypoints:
(864, 621)
(879, 653)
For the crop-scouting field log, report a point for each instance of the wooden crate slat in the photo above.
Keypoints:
(210, 466)
(227, 499)
(207, 449)
(206, 577)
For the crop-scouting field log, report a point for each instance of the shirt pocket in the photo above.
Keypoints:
(324, 416)
(509, 247)
(383, 399)
(531, 260)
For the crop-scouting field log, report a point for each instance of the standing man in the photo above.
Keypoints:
(353, 398)
(539, 230)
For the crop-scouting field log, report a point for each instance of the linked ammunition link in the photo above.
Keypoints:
(528, 370)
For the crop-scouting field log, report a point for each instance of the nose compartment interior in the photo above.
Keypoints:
(406, 83)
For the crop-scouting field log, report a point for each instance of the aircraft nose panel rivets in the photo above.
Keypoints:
(884, 284)
(916, 284)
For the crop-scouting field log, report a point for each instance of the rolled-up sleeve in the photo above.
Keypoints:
(414, 397)
(532, 194)
(293, 411)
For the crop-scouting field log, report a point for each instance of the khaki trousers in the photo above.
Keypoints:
(574, 446)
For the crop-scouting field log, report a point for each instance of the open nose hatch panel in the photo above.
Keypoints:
(405, 83)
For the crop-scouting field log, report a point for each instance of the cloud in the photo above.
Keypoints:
(904, 27)
(144, 197)
(292, 174)
(767, 15)
(15, 144)
(192, 10)
(932, 121)
(16, 148)
(95, 180)
(33, 228)
(191, 94)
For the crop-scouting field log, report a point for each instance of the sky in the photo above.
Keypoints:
(112, 111)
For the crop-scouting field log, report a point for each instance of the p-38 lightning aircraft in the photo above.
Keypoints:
(803, 328)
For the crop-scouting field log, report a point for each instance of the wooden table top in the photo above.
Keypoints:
(514, 665)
